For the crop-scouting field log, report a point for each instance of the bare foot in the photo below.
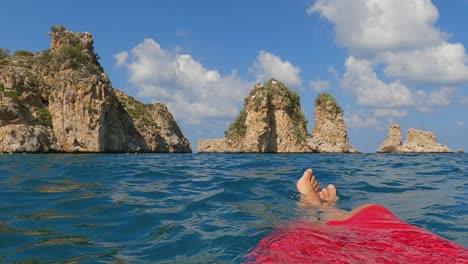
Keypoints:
(307, 185)
(328, 194)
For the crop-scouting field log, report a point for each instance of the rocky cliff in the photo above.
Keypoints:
(272, 121)
(329, 134)
(60, 100)
(417, 141)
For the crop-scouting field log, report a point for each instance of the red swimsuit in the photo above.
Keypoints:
(372, 235)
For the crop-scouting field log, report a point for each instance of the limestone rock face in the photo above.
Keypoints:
(393, 141)
(24, 138)
(65, 91)
(151, 128)
(329, 134)
(417, 141)
(460, 151)
(213, 146)
(271, 121)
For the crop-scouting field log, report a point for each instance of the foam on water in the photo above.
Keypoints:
(204, 208)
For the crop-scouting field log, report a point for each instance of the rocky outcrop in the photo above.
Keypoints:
(152, 126)
(393, 141)
(62, 101)
(417, 141)
(272, 121)
(460, 151)
(24, 138)
(329, 134)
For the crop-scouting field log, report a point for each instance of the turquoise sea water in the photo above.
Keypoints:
(194, 208)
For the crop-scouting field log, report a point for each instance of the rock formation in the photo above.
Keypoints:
(60, 100)
(417, 141)
(393, 141)
(460, 151)
(272, 121)
(329, 134)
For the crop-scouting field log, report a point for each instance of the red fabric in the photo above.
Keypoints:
(373, 235)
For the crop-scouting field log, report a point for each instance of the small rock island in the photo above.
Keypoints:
(60, 100)
(417, 141)
(272, 121)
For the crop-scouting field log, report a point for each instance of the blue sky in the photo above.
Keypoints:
(400, 61)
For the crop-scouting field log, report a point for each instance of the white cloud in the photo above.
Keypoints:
(360, 118)
(361, 80)
(373, 26)
(191, 91)
(463, 101)
(440, 97)
(319, 86)
(389, 113)
(441, 64)
(372, 117)
(269, 66)
(460, 123)
(121, 58)
(334, 72)
(400, 35)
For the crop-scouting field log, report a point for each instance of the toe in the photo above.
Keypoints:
(331, 191)
(314, 184)
(303, 184)
(325, 194)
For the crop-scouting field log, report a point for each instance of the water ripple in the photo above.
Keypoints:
(188, 208)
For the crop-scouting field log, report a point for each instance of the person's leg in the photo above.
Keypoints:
(307, 185)
(323, 200)
(328, 195)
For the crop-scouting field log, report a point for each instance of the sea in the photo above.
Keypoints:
(204, 208)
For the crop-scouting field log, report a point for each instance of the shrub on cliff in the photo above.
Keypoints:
(324, 98)
(23, 53)
(266, 93)
(71, 54)
(4, 53)
(43, 118)
(237, 129)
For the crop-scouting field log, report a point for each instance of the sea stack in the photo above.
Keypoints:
(60, 100)
(329, 134)
(417, 141)
(272, 122)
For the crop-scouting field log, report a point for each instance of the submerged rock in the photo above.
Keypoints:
(63, 95)
(417, 141)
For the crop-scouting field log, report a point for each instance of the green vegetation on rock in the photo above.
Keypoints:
(324, 98)
(4, 53)
(267, 92)
(137, 110)
(71, 55)
(237, 129)
(293, 106)
(23, 53)
(8, 93)
(43, 118)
